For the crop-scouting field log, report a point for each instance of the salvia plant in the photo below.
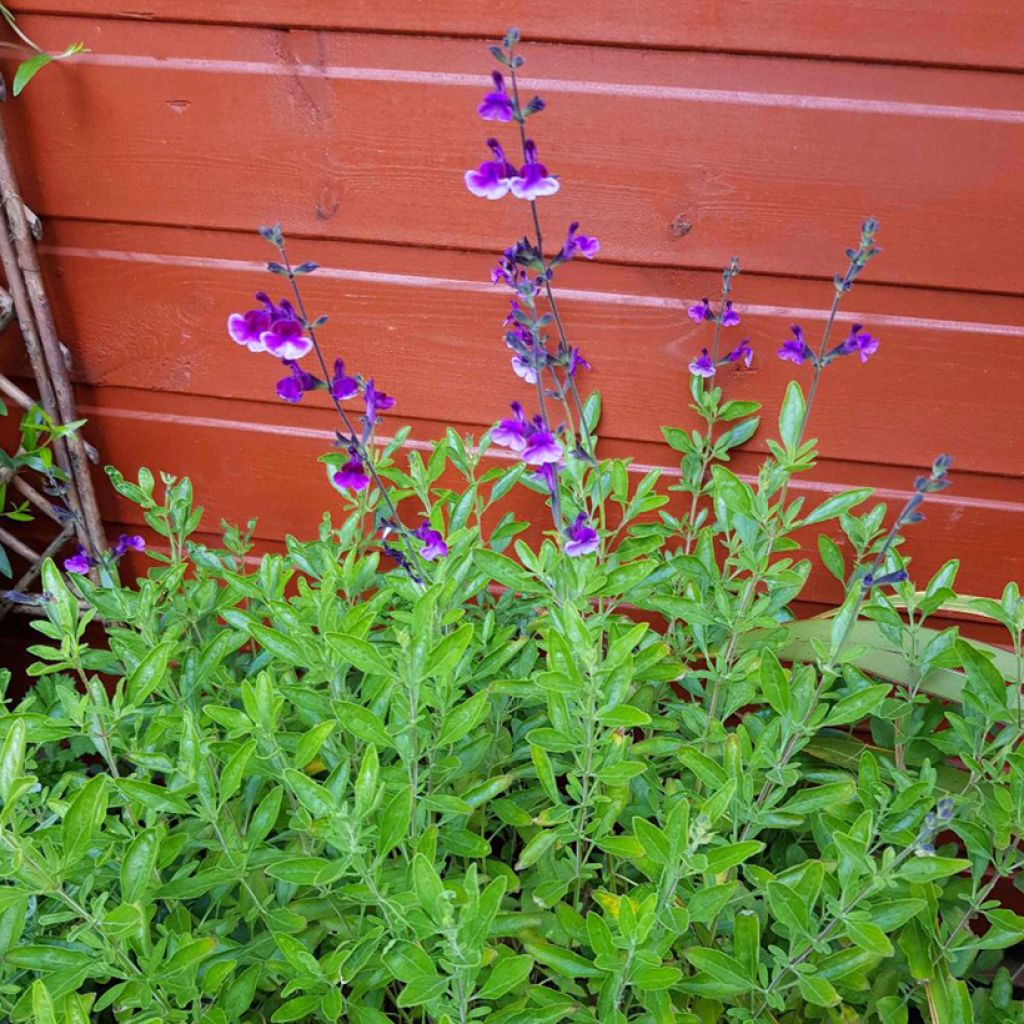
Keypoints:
(419, 770)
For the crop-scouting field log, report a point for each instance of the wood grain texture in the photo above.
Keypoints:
(978, 33)
(367, 137)
(250, 460)
(146, 309)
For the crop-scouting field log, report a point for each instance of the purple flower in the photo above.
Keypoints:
(79, 562)
(535, 106)
(701, 311)
(730, 318)
(702, 366)
(586, 245)
(342, 387)
(523, 369)
(512, 433)
(862, 343)
(352, 476)
(491, 180)
(496, 105)
(375, 401)
(128, 542)
(247, 328)
(581, 538)
(292, 388)
(741, 351)
(795, 350)
(541, 448)
(285, 339)
(533, 179)
(434, 545)
(577, 362)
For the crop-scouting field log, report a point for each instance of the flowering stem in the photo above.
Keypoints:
(353, 439)
(564, 347)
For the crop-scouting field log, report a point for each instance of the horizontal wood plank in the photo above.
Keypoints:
(271, 472)
(674, 159)
(979, 33)
(145, 308)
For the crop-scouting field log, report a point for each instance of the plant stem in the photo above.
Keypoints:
(353, 439)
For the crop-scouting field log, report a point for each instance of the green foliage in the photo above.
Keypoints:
(301, 788)
(33, 455)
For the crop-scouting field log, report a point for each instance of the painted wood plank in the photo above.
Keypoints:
(687, 159)
(145, 308)
(979, 33)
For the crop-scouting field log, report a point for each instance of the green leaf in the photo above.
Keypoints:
(791, 416)
(82, 818)
(774, 683)
(835, 506)
(503, 570)
(394, 821)
(818, 991)
(508, 973)
(561, 961)
(463, 719)
(428, 888)
(317, 799)
(807, 801)
(191, 954)
(28, 69)
(360, 653)
(831, 557)
(234, 771)
(928, 869)
(282, 646)
(722, 858)
(307, 870)
(310, 743)
(655, 979)
(855, 707)
(296, 954)
(869, 937)
(363, 723)
(42, 1004)
(725, 970)
(148, 674)
(138, 865)
(12, 758)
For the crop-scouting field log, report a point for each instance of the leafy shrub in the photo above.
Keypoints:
(606, 776)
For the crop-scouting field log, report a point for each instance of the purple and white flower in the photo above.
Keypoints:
(492, 179)
(533, 180)
(730, 318)
(586, 245)
(434, 545)
(284, 337)
(247, 328)
(496, 105)
(512, 433)
(701, 311)
(541, 448)
(292, 388)
(741, 351)
(703, 366)
(352, 476)
(581, 537)
(795, 350)
(860, 342)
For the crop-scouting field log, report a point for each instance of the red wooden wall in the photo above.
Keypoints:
(770, 128)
